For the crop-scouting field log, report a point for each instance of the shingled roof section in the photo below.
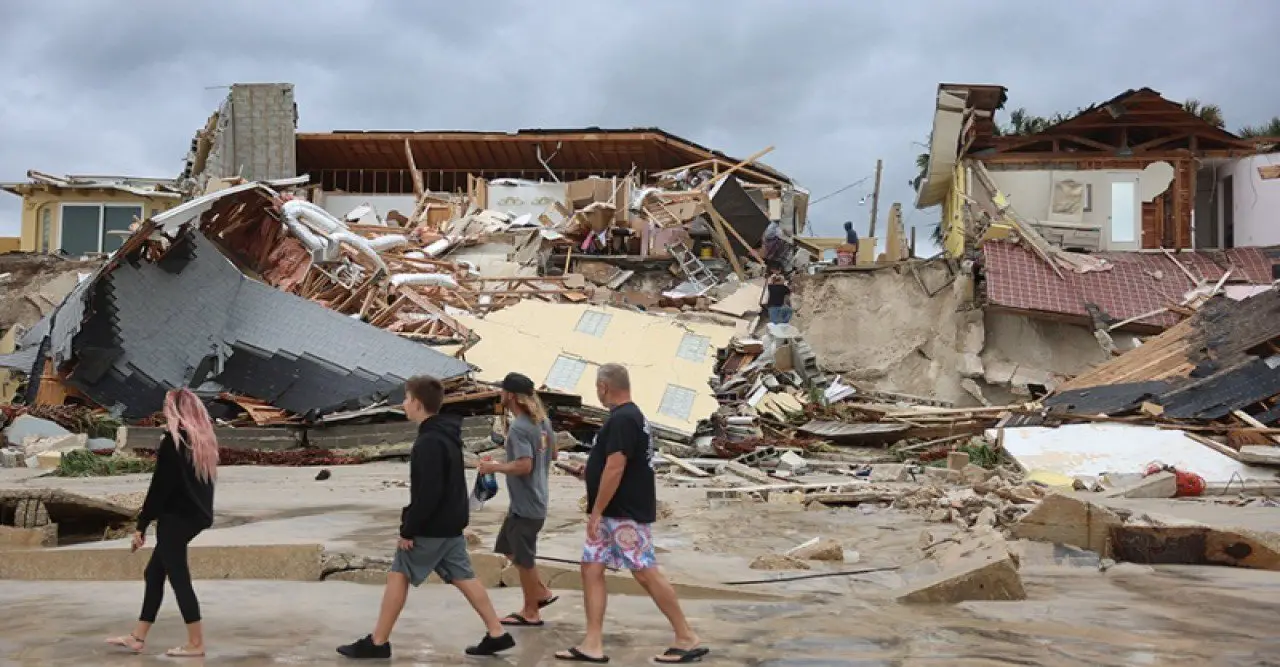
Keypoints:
(194, 317)
(1138, 282)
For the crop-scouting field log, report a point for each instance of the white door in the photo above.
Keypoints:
(1124, 225)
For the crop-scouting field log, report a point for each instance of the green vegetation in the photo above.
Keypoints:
(84, 463)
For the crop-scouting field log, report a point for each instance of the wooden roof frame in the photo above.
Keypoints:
(1137, 124)
(602, 151)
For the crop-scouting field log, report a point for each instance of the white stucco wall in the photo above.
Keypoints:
(1256, 202)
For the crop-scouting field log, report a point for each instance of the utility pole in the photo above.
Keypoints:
(875, 201)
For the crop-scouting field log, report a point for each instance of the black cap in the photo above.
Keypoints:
(517, 384)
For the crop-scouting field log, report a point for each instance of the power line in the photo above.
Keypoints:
(851, 185)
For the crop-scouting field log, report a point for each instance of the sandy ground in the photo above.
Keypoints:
(1075, 615)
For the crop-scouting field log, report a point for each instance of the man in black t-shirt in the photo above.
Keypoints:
(778, 299)
(623, 501)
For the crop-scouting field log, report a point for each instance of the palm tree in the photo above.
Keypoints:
(1022, 123)
(1209, 113)
(922, 170)
(1269, 129)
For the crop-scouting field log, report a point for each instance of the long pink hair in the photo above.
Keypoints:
(183, 412)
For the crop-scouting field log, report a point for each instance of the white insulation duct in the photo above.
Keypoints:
(429, 279)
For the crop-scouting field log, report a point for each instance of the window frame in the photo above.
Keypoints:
(139, 208)
(662, 403)
(704, 346)
(552, 370)
(602, 318)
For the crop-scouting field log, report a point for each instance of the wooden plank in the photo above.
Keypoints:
(1269, 172)
(418, 188)
(1248, 419)
(706, 187)
(1215, 445)
(685, 466)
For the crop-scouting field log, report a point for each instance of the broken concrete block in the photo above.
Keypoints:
(1159, 485)
(1065, 519)
(978, 566)
(1196, 545)
(999, 372)
(793, 463)
(778, 562)
(944, 475)
(11, 457)
(971, 579)
(818, 549)
(976, 474)
(957, 460)
(987, 517)
(122, 438)
(971, 367)
(890, 472)
(27, 426)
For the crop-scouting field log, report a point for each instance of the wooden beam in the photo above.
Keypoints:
(1146, 145)
(418, 188)
(1089, 142)
(706, 187)
(1269, 172)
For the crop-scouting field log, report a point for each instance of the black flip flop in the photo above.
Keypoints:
(682, 656)
(520, 621)
(543, 604)
(578, 656)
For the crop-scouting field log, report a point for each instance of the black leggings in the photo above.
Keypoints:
(169, 559)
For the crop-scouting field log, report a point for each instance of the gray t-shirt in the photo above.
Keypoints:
(529, 493)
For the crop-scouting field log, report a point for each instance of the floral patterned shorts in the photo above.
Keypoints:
(622, 544)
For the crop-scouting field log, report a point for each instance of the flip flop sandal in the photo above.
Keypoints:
(128, 642)
(574, 655)
(543, 604)
(682, 656)
(184, 652)
(520, 621)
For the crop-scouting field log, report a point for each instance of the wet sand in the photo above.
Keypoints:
(1074, 614)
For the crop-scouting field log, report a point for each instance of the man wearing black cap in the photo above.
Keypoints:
(529, 444)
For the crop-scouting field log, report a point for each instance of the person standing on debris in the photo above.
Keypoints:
(530, 447)
(623, 501)
(774, 247)
(850, 234)
(778, 299)
(180, 501)
(431, 526)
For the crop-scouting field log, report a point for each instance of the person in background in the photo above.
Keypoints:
(623, 501)
(778, 299)
(530, 448)
(431, 526)
(180, 502)
(773, 246)
(850, 234)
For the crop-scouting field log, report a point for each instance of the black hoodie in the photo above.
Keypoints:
(438, 505)
(175, 489)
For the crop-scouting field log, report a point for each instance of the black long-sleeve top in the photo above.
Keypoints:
(438, 504)
(175, 489)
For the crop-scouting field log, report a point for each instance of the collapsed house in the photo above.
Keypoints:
(176, 306)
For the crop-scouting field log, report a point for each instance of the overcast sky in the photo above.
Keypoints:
(107, 87)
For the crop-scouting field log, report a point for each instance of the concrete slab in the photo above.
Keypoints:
(298, 562)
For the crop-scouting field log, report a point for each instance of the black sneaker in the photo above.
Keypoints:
(492, 645)
(365, 649)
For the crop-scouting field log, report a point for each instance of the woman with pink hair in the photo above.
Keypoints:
(180, 501)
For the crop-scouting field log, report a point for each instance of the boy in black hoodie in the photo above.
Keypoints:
(431, 526)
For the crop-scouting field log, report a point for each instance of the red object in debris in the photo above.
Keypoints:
(1189, 484)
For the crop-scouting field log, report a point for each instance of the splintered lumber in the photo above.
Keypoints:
(840, 432)
(726, 173)
(1248, 419)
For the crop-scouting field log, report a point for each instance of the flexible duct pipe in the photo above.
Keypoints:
(311, 215)
(437, 248)
(361, 244)
(388, 242)
(429, 279)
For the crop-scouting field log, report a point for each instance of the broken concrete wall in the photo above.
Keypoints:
(1018, 351)
(251, 136)
(883, 330)
(34, 284)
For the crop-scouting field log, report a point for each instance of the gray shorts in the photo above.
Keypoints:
(518, 540)
(446, 556)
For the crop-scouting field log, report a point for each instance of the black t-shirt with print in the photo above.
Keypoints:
(777, 295)
(626, 431)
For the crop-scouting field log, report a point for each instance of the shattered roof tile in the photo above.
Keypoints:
(1017, 279)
